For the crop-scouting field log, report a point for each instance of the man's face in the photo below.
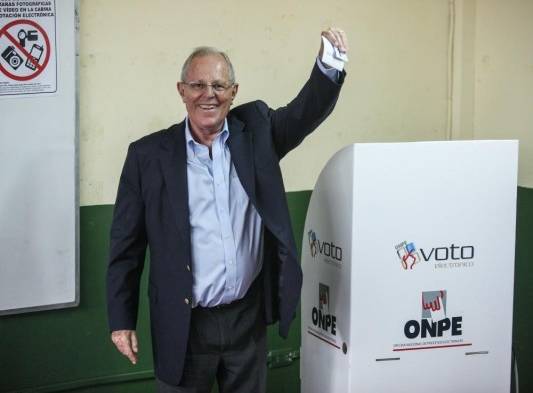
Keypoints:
(207, 108)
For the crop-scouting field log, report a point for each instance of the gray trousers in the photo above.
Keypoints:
(227, 344)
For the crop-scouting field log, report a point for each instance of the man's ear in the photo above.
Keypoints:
(181, 90)
(234, 90)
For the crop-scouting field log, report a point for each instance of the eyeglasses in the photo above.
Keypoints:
(199, 87)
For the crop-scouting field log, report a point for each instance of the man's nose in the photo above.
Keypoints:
(209, 91)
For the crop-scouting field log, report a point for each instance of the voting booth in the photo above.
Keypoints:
(408, 261)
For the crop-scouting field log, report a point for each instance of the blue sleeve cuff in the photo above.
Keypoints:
(331, 73)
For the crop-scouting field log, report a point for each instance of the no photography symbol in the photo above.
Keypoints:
(24, 50)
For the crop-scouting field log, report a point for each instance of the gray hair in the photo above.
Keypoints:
(206, 51)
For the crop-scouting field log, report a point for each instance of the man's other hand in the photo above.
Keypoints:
(126, 343)
(338, 39)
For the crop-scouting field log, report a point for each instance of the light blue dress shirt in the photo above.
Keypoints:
(226, 230)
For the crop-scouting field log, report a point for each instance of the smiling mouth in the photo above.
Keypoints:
(208, 107)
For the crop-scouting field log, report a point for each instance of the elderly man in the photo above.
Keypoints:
(207, 197)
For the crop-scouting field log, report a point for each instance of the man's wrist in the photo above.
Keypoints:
(323, 66)
(330, 72)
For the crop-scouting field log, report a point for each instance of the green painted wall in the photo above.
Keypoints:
(69, 350)
(523, 295)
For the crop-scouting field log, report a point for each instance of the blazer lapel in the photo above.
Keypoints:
(173, 160)
(241, 149)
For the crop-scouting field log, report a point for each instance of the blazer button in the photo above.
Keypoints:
(186, 300)
(188, 268)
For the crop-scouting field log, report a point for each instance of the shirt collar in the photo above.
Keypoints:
(193, 146)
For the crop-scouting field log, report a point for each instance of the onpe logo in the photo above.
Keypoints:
(321, 316)
(434, 322)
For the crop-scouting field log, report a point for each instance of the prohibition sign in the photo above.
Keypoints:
(38, 68)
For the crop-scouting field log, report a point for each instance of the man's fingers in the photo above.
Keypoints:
(132, 357)
(330, 37)
(123, 340)
(337, 37)
(134, 343)
(344, 40)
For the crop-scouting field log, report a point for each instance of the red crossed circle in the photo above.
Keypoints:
(38, 67)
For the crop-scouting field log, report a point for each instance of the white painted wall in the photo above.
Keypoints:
(396, 89)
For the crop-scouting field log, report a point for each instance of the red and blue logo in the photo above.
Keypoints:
(408, 255)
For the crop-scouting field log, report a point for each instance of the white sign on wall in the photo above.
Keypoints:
(39, 265)
(27, 47)
(408, 260)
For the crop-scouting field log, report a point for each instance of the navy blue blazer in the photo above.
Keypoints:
(151, 210)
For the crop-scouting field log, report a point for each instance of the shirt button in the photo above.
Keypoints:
(230, 262)
(186, 300)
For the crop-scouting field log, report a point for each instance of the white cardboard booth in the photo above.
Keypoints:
(408, 260)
